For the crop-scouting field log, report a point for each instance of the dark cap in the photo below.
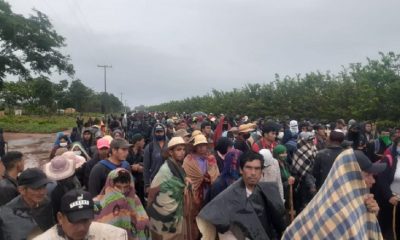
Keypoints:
(366, 165)
(159, 127)
(33, 178)
(119, 143)
(77, 205)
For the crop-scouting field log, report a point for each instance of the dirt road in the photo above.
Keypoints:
(35, 147)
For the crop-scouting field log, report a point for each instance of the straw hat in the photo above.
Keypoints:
(194, 134)
(176, 141)
(59, 168)
(200, 139)
(181, 133)
(249, 127)
(78, 160)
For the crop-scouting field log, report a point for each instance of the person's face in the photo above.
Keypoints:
(86, 136)
(270, 136)
(121, 153)
(140, 144)
(321, 132)
(368, 128)
(282, 156)
(32, 195)
(159, 133)
(251, 172)
(368, 179)
(186, 138)
(207, 130)
(201, 149)
(182, 125)
(122, 187)
(117, 136)
(74, 231)
(178, 152)
(103, 153)
(21, 165)
(384, 133)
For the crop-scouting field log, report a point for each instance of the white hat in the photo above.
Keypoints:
(59, 168)
(176, 141)
(78, 160)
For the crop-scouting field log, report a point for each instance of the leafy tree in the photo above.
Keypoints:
(29, 44)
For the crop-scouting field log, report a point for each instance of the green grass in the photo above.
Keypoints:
(37, 124)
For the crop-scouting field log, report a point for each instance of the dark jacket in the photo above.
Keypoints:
(261, 216)
(17, 220)
(98, 177)
(152, 159)
(8, 189)
(323, 163)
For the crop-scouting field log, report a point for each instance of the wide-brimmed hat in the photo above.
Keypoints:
(33, 178)
(200, 139)
(59, 168)
(78, 160)
(176, 141)
(194, 134)
(181, 133)
(244, 128)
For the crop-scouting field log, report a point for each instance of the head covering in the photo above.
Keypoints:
(33, 178)
(248, 127)
(230, 171)
(294, 127)
(194, 134)
(136, 138)
(366, 165)
(122, 209)
(103, 143)
(181, 133)
(117, 131)
(119, 143)
(200, 139)
(108, 138)
(176, 141)
(81, 149)
(223, 144)
(268, 158)
(59, 168)
(77, 205)
(78, 160)
(279, 149)
(306, 136)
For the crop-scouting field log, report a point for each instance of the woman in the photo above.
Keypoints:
(229, 174)
(202, 170)
(119, 205)
(271, 171)
(387, 191)
(223, 146)
(62, 141)
(280, 154)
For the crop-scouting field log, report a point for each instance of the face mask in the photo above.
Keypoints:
(160, 138)
(64, 144)
(280, 135)
(78, 153)
(246, 136)
(386, 140)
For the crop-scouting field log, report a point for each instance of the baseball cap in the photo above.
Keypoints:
(119, 143)
(159, 127)
(103, 143)
(33, 178)
(77, 205)
(366, 165)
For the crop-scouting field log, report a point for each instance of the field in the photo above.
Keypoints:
(37, 124)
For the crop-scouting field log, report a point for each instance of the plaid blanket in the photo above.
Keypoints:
(337, 211)
(303, 159)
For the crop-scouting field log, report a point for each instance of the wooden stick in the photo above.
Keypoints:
(394, 222)
(292, 213)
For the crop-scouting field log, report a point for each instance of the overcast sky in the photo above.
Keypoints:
(165, 50)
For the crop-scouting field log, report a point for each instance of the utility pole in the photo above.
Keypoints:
(105, 87)
(121, 98)
(105, 75)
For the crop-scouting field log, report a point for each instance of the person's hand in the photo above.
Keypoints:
(134, 167)
(394, 200)
(291, 180)
(371, 204)
(207, 178)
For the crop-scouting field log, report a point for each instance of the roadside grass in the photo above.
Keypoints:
(37, 124)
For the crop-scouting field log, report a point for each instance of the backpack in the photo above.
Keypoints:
(111, 166)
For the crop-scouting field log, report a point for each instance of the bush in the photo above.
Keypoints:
(36, 124)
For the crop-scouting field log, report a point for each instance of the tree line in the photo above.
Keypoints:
(40, 95)
(361, 91)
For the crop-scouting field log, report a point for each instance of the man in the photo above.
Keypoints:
(343, 208)
(166, 196)
(183, 134)
(248, 208)
(367, 131)
(268, 140)
(153, 160)
(135, 159)
(87, 141)
(29, 213)
(326, 157)
(75, 221)
(320, 139)
(98, 175)
(242, 142)
(181, 124)
(14, 164)
(207, 132)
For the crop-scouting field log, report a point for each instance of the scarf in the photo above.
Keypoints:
(303, 159)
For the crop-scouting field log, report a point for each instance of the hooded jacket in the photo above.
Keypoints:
(153, 159)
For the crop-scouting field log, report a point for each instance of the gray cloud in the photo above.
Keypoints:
(163, 50)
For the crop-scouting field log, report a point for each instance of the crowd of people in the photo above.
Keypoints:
(201, 176)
